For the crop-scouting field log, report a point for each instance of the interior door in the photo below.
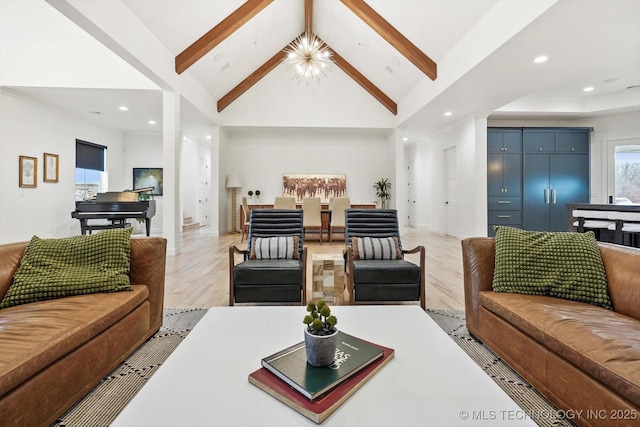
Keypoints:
(451, 189)
(411, 193)
(569, 183)
(537, 196)
(202, 207)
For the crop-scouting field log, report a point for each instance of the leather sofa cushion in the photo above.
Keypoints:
(385, 271)
(33, 336)
(268, 271)
(601, 342)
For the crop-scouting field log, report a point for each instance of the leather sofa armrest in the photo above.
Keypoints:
(478, 263)
(148, 265)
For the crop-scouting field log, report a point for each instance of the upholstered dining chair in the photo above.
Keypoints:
(312, 209)
(245, 212)
(338, 206)
(274, 265)
(375, 265)
(284, 203)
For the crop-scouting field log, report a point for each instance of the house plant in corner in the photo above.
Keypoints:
(320, 335)
(382, 188)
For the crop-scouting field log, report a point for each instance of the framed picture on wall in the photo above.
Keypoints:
(148, 177)
(322, 185)
(28, 172)
(50, 167)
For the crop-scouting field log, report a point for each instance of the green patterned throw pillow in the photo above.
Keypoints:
(56, 268)
(559, 264)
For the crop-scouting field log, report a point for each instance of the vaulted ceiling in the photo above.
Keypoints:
(483, 50)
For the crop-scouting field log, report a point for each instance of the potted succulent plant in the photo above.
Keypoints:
(320, 335)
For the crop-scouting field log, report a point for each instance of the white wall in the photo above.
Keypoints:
(31, 129)
(261, 156)
(143, 151)
(430, 183)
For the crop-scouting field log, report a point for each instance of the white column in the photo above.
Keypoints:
(214, 179)
(171, 202)
(399, 176)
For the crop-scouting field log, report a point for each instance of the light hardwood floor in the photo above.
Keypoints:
(199, 276)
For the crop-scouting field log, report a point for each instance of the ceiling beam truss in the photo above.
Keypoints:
(393, 37)
(217, 34)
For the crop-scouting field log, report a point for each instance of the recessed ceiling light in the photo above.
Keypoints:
(208, 136)
(219, 57)
(540, 59)
(152, 122)
(405, 139)
(588, 89)
(448, 113)
(123, 108)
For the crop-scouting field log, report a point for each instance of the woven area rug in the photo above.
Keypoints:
(101, 406)
(533, 404)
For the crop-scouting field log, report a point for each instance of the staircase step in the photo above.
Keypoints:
(191, 226)
(187, 220)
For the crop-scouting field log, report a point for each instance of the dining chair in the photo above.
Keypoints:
(312, 209)
(245, 212)
(284, 203)
(337, 224)
(375, 266)
(274, 265)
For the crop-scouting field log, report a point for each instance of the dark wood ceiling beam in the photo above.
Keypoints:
(393, 37)
(277, 59)
(217, 34)
(308, 17)
(364, 82)
(253, 78)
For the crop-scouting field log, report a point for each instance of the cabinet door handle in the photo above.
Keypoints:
(546, 196)
(504, 216)
(504, 202)
(553, 196)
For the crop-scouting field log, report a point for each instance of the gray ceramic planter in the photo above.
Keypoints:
(321, 350)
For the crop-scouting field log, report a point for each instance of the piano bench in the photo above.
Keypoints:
(89, 228)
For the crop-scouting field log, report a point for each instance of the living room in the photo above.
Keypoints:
(105, 73)
(309, 129)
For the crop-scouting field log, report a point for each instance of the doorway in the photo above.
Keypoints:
(451, 191)
(202, 206)
(411, 192)
(623, 171)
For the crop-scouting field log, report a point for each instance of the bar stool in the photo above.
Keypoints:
(592, 220)
(626, 224)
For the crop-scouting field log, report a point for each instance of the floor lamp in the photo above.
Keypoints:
(233, 182)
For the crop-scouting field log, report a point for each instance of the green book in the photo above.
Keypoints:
(290, 364)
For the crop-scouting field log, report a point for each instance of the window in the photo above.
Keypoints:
(627, 170)
(91, 177)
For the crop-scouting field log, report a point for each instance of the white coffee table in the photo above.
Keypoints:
(430, 382)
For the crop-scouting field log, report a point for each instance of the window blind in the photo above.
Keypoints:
(90, 155)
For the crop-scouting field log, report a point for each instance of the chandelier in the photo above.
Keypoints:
(309, 57)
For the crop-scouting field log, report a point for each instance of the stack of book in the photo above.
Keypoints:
(317, 392)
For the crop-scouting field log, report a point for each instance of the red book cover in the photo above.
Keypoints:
(319, 409)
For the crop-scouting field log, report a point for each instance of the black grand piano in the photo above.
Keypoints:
(116, 207)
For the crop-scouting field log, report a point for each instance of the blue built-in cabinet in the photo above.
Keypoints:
(532, 173)
(504, 177)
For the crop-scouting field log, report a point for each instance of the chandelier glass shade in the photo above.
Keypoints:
(308, 57)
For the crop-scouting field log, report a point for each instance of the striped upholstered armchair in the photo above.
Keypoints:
(376, 268)
(274, 264)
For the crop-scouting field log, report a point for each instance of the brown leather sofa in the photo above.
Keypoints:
(54, 352)
(585, 359)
